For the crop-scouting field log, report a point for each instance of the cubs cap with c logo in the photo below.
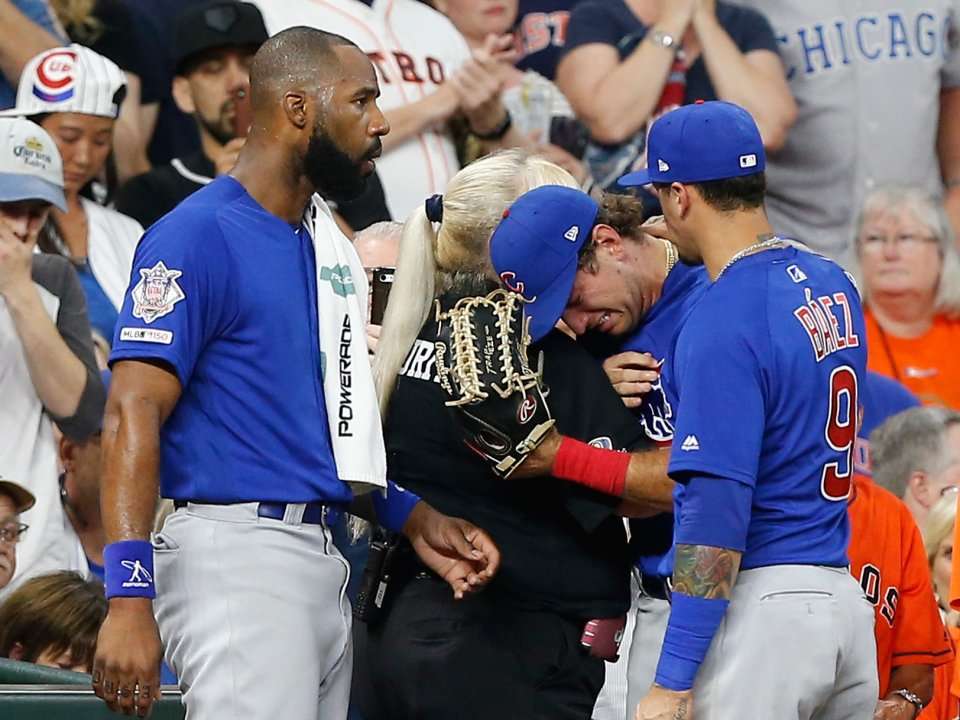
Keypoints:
(534, 249)
(30, 165)
(70, 79)
(701, 142)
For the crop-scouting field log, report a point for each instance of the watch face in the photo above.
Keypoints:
(663, 39)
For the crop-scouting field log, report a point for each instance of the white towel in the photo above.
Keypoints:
(112, 241)
(352, 411)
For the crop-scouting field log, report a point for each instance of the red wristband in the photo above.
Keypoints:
(596, 468)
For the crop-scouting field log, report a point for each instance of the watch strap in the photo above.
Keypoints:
(910, 697)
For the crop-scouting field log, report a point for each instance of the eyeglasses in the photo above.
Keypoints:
(875, 242)
(10, 532)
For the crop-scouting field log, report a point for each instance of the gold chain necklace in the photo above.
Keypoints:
(749, 250)
(672, 255)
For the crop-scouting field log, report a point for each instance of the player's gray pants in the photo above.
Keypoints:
(253, 614)
(796, 643)
(650, 625)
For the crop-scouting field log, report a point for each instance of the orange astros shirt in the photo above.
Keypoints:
(945, 705)
(955, 602)
(928, 365)
(888, 559)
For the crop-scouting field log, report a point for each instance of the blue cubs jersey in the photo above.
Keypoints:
(224, 293)
(880, 397)
(768, 368)
(657, 335)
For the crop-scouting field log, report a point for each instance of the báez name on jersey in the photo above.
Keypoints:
(828, 322)
(345, 406)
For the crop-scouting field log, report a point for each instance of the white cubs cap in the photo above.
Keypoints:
(30, 165)
(70, 79)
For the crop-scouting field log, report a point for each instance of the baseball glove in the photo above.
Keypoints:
(482, 364)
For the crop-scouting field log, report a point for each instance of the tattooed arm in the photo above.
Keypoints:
(705, 571)
(714, 516)
(702, 572)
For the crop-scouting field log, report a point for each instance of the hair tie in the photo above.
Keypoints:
(433, 206)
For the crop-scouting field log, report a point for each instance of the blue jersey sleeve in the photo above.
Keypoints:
(720, 419)
(178, 297)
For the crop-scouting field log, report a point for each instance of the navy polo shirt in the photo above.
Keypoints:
(225, 294)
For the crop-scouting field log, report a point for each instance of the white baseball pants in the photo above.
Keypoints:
(253, 614)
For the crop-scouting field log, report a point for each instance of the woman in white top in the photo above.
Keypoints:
(75, 94)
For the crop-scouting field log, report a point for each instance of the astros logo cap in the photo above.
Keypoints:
(30, 165)
(535, 247)
(701, 142)
(70, 79)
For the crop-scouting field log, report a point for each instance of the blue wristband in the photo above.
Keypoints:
(693, 623)
(394, 508)
(128, 569)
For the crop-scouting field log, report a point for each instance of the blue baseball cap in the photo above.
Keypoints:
(701, 142)
(534, 249)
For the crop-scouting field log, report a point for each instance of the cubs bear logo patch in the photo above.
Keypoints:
(156, 293)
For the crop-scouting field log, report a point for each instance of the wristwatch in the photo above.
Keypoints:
(911, 698)
(663, 39)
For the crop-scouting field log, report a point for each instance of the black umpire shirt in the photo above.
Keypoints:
(562, 546)
(148, 197)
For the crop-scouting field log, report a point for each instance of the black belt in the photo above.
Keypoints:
(313, 513)
(655, 586)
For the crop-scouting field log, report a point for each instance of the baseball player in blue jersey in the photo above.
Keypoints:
(242, 388)
(766, 621)
(615, 279)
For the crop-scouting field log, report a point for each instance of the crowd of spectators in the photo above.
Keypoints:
(117, 110)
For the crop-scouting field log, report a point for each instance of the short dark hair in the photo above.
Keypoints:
(56, 612)
(740, 193)
(624, 213)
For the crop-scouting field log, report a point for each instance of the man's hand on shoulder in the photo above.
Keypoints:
(632, 375)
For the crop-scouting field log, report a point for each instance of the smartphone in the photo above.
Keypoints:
(602, 637)
(382, 282)
(243, 111)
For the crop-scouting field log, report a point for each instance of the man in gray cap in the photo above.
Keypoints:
(47, 366)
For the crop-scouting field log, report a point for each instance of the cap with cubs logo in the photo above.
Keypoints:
(701, 142)
(535, 247)
(30, 165)
(70, 79)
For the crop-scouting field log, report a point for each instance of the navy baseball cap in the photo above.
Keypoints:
(701, 142)
(214, 24)
(534, 249)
